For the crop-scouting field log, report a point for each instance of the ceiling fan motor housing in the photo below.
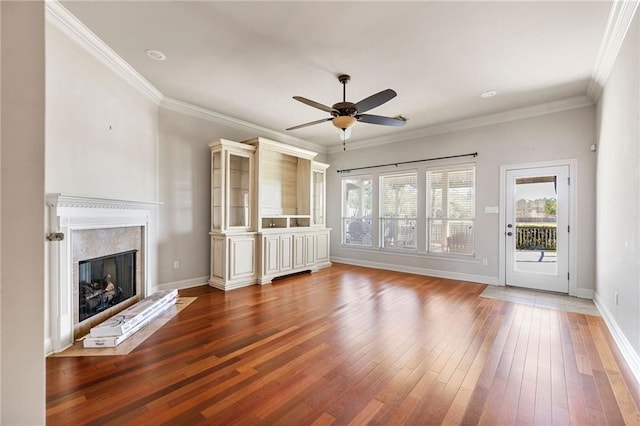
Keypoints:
(344, 108)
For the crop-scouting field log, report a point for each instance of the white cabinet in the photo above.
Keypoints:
(233, 262)
(286, 255)
(231, 186)
(299, 248)
(322, 249)
(270, 254)
(286, 252)
(310, 250)
(233, 241)
(267, 212)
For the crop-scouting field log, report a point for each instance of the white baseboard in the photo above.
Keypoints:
(583, 293)
(48, 346)
(482, 279)
(179, 285)
(629, 354)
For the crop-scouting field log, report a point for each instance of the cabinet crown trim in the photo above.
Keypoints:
(281, 147)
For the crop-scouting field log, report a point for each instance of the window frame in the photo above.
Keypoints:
(360, 233)
(383, 218)
(462, 242)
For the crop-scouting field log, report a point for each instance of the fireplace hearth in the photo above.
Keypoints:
(105, 282)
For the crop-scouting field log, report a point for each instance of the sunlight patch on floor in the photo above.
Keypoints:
(541, 299)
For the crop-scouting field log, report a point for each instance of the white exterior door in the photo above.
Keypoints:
(537, 228)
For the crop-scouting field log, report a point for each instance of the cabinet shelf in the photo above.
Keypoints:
(286, 221)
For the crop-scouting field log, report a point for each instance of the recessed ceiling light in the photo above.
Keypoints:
(156, 55)
(489, 94)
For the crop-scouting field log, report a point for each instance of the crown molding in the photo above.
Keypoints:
(620, 17)
(472, 123)
(64, 20)
(225, 120)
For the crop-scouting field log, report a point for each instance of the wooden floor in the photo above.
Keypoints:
(354, 345)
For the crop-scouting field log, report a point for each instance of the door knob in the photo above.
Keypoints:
(509, 233)
(509, 226)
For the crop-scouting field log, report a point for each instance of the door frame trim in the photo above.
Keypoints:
(572, 163)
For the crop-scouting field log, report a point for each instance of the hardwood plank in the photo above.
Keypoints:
(354, 345)
(509, 408)
(543, 406)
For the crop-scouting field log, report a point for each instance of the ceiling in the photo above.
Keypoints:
(247, 60)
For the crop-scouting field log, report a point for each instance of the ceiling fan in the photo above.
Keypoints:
(345, 114)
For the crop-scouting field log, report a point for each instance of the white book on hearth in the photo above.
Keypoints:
(125, 321)
(113, 341)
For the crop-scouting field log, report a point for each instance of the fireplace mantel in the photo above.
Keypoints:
(68, 213)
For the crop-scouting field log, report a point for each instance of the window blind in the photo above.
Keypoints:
(451, 209)
(398, 210)
(356, 210)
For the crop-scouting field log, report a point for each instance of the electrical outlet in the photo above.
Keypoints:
(485, 261)
(176, 264)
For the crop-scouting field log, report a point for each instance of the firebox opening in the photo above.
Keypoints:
(105, 282)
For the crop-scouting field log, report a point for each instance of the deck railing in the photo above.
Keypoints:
(536, 237)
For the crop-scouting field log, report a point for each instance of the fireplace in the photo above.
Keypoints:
(107, 270)
(88, 235)
(105, 282)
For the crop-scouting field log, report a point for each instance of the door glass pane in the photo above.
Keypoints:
(536, 201)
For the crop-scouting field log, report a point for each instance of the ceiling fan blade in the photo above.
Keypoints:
(378, 119)
(310, 124)
(315, 104)
(375, 100)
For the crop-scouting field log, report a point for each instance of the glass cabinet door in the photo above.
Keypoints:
(318, 198)
(239, 182)
(216, 190)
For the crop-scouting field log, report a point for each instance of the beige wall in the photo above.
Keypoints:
(22, 219)
(557, 136)
(102, 134)
(618, 192)
(185, 193)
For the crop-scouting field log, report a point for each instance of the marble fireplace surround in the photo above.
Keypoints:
(92, 243)
(70, 213)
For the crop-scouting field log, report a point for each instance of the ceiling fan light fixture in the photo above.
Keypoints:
(344, 121)
(344, 134)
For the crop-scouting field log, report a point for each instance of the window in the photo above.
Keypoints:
(451, 209)
(398, 210)
(356, 210)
